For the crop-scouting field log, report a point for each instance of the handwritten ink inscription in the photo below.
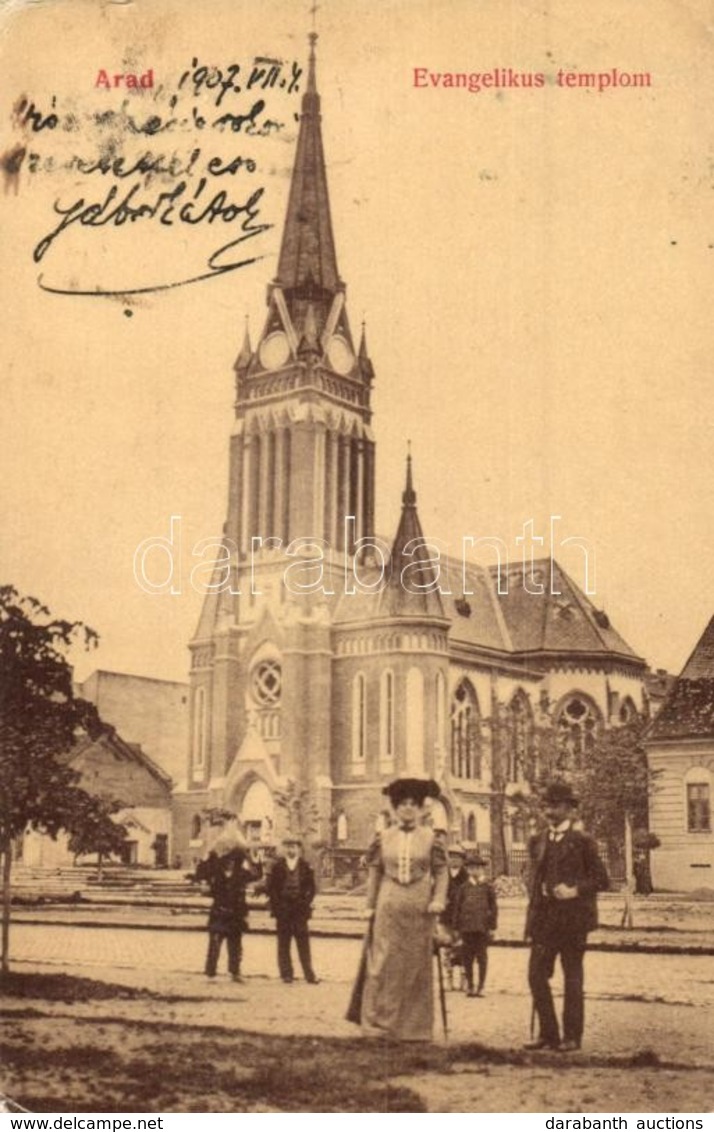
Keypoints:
(165, 158)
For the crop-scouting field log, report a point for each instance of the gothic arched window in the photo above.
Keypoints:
(578, 722)
(199, 731)
(465, 733)
(359, 720)
(386, 718)
(628, 712)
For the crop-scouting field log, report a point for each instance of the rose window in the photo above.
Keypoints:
(266, 683)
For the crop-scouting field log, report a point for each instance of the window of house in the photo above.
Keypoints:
(698, 807)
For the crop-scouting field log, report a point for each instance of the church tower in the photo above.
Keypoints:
(301, 488)
(302, 454)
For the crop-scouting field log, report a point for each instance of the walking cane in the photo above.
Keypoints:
(442, 992)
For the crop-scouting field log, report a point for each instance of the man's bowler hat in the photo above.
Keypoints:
(559, 793)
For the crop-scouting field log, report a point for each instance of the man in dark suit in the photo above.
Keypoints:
(227, 876)
(291, 891)
(566, 874)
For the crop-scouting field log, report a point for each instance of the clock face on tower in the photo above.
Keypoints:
(340, 355)
(275, 350)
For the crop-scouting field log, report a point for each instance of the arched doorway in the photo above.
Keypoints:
(257, 813)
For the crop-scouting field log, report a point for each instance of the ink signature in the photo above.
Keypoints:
(181, 205)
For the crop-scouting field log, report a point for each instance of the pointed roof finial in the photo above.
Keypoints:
(409, 494)
(311, 80)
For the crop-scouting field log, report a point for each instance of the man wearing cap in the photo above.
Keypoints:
(566, 874)
(291, 891)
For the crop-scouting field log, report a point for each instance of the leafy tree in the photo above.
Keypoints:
(499, 723)
(301, 813)
(612, 780)
(39, 719)
(94, 830)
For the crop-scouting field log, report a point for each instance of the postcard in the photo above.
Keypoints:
(357, 395)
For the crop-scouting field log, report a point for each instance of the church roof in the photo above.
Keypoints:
(307, 253)
(559, 619)
(688, 711)
(517, 624)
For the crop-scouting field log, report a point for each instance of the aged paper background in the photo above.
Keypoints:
(533, 267)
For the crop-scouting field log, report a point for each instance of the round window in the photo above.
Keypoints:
(266, 682)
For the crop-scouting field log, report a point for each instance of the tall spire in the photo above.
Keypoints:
(413, 583)
(307, 253)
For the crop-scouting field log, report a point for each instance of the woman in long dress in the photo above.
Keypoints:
(406, 891)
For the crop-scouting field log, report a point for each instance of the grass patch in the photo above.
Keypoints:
(54, 1061)
(65, 988)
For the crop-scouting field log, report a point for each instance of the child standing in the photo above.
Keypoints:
(475, 917)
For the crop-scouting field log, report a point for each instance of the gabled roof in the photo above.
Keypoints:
(688, 711)
(128, 752)
(701, 662)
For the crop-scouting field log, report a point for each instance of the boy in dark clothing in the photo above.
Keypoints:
(228, 917)
(291, 891)
(475, 916)
(457, 877)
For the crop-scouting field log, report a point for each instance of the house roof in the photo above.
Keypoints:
(688, 711)
(129, 752)
(701, 662)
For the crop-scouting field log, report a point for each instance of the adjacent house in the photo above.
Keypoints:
(680, 749)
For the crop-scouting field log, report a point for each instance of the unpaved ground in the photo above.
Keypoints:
(188, 1044)
(144, 1054)
(125, 1021)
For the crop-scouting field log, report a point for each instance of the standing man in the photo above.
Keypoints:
(566, 873)
(228, 872)
(291, 891)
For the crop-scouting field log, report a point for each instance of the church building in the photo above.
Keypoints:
(327, 661)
